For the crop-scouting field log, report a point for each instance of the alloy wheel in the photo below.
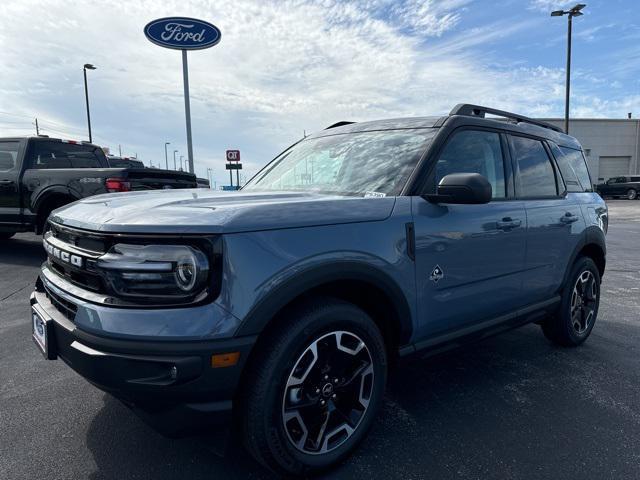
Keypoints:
(327, 392)
(584, 300)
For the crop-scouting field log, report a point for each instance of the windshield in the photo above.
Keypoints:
(364, 163)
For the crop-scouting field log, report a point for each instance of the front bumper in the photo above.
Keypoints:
(169, 383)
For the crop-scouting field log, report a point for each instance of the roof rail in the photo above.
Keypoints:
(339, 124)
(470, 110)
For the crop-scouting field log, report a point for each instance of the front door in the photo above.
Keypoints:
(9, 182)
(469, 258)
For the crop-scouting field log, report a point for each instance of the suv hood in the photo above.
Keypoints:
(205, 211)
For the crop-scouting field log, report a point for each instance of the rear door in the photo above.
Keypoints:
(10, 204)
(554, 219)
(469, 258)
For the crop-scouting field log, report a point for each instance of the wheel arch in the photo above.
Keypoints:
(592, 245)
(365, 286)
(48, 200)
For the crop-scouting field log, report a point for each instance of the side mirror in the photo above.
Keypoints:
(462, 188)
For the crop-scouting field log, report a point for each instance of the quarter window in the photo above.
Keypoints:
(572, 160)
(8, 155)
(537, 177)
(474, 151)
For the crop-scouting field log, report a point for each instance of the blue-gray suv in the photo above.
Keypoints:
(282, 306)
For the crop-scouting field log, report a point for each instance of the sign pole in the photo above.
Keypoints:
(230, 177)
(187, 108)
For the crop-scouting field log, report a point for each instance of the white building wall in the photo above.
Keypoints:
(605, 138)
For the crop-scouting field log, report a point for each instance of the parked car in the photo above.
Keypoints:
(203, 183)
(124, 162)
(40, 174)
(625, 187)
(285, 303)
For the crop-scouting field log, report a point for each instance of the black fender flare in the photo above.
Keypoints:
(301, 282)
(42, 196)
(592, 235)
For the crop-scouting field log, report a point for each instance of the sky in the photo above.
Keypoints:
(288, 67)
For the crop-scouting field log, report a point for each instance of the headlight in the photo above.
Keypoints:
(156, 272)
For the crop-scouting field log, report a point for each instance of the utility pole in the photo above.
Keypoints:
(119, 150)
(37, 129)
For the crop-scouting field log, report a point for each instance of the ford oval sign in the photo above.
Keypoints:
(182, 33)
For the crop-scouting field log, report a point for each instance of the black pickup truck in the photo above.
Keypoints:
(40, 174)
(624, 187)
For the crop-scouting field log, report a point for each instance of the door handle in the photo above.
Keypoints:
(568, 218)
(507, 223)
(6, 182)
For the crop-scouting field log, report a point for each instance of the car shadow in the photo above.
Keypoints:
(22, 250)
(509, 397)
(123, 446)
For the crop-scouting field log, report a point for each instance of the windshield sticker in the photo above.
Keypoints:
(374, 194)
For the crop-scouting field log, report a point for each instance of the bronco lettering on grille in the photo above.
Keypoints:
(63, 256)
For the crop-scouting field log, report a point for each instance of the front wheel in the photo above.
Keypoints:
(315, 387)
(632, 194)
(573, 322)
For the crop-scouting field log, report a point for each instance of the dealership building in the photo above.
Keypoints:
(611, 145)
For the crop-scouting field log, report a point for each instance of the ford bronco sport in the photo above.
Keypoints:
(286, 302)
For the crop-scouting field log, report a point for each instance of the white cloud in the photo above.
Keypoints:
(282, 67)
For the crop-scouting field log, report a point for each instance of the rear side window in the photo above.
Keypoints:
(536, 173)
(8, 155)
(64, 155)
(572, 163)
(474, 151)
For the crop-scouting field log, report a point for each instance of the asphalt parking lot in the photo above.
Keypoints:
(513, 406)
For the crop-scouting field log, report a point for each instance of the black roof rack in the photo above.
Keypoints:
(339, 124)
(470, 110)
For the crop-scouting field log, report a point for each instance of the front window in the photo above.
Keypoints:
(363, 163)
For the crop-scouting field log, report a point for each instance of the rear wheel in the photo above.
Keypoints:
(573, 322)
(315, 388)
(632, 194)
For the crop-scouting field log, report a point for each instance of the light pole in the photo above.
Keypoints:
(166, 159)
(174, 159)
(574, 11)
(87, 66)
(181, 157)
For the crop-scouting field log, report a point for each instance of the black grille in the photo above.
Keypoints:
(65, 307)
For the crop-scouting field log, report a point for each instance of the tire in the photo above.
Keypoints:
(6, 235)
(286, 372)
(632, 194)
(581, 295)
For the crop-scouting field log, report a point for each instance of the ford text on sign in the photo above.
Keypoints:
(233, 155)
(182, 33)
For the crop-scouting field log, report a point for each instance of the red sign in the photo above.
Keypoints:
(233, 155)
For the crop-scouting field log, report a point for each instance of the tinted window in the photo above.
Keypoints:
(537, 178)
(64, 155)
(471, 151)
(573, 163)
(124, 163)
(8, 155)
